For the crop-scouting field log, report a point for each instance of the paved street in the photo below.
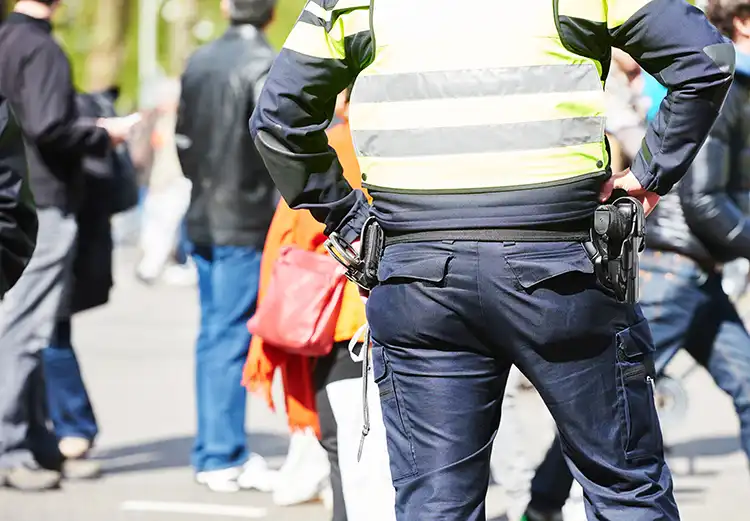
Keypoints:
(136, 355)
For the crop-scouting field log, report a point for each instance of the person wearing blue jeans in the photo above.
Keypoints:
(700, 225)
(231, 207)
(228, 278)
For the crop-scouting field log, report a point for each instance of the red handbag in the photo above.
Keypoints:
(299, 311)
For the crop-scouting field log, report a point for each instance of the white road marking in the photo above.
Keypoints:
(207, 509)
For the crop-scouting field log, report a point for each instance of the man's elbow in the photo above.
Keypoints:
(720, 70)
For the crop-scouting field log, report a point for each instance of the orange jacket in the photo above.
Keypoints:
(298, 227)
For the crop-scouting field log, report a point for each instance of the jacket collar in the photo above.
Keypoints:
(19, 18)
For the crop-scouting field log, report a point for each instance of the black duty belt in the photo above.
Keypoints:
(489, 235)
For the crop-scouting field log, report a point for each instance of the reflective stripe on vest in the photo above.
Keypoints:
(494, 101)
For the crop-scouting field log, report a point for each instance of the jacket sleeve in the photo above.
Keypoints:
(329, 45)
(709, 210)
(47, 110)
(674, 42)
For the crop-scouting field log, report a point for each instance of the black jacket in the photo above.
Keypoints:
(92, 265)
(706, 216)
(18, 222)
(35, 77)
(233, 197)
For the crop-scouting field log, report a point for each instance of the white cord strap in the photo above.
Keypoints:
(362, 356)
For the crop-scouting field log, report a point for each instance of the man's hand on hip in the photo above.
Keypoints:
(627, 181)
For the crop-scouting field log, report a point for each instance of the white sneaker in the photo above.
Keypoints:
(305, 473)
(224, 480)
(256, 475)
(180, 274)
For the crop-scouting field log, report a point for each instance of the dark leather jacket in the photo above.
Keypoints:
(233, 197)
(705, 216)
(18, 221)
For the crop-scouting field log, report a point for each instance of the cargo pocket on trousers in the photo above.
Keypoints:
(397, 426)
(635, 372)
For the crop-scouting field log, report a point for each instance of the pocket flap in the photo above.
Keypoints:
(636, 342)
(533, 267)
(414, 265)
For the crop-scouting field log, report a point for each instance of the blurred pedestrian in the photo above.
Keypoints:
(109, 188)
(323, 395)
(167, 196)
(231, 208)
(694, 230)
(35, 78)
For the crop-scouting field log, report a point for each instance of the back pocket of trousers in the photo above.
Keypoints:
(635, 372)
(397, 426)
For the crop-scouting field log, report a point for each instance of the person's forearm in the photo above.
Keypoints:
(79, 137)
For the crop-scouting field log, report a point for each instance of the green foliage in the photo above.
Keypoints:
(77, 15)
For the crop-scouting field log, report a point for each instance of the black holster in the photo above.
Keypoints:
(617, 237)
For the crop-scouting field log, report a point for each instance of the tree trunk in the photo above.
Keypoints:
(107, 44)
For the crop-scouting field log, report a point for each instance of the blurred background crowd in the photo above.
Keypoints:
(194, 202)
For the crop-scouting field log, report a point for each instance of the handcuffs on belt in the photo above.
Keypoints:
(362, 266)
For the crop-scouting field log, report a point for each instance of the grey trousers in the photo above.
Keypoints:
(27, 320)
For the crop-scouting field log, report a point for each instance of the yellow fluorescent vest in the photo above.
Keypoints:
(477, 97)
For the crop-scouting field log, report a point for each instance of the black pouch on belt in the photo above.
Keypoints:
(371, 251)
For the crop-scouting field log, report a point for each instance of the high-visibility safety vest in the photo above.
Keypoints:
(471, 97)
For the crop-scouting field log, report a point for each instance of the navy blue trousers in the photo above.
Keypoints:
(449, 319)
(686, 309)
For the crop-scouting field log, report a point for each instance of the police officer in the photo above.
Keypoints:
(480, 133)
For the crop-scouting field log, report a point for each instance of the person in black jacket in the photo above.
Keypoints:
(700, 225)
(35, 78)
(110, 187)
(232, 204)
